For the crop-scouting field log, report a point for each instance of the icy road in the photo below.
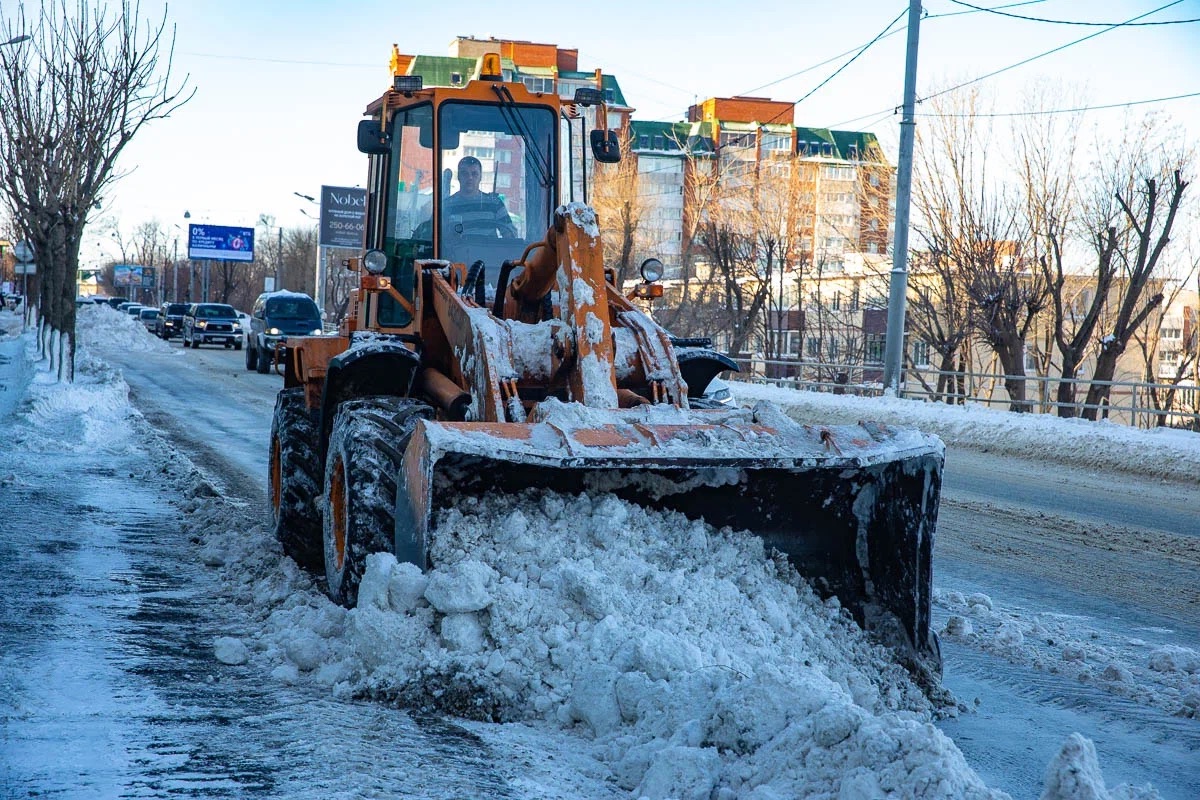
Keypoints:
(152, 643)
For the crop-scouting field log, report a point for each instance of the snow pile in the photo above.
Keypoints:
(1166, 677)
(118, 330)
(1074, 774)
(94, 414)
(694, 665)
(1162, 452)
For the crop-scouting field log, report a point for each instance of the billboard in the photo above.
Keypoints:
(343, 216)
(220, 243)
(127, 275)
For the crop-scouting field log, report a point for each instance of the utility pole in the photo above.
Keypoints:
(893, 357)
(278, 259)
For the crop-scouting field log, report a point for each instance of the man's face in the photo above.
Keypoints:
(469, 176)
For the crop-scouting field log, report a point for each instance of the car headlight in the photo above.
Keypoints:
(237, 326)
(274, 332)
(201, 324)
(315, 332)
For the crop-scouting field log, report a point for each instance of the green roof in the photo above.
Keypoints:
(611, 83)
(697, 136)
(844, 143)
(436, 70)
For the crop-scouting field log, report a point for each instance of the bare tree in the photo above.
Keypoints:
(970, 222)
(75, 92)
(1132, 244)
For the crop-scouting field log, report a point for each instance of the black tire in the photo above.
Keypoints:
(361, 469)
(264, 361)
(294, 481)
(237, 345)
(251, 359)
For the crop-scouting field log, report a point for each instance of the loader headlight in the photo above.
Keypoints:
(274, 332)
(652, 270)
(375, 261)
(316, 332)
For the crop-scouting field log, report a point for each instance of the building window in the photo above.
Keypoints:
(920, 353)
(776, 141)
(739, 140)
(1172, 333)
(545, 85)
(837, 301)
(644, 142)
(503, 180)
(854, 299)
(608, 95)
(658, 143)
(874, 348)
(813, 348)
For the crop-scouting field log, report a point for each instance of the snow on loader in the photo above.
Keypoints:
(487, 350)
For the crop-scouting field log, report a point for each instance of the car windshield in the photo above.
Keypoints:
(293, 308)
(177, 309)
(148, 313)
(215, 312)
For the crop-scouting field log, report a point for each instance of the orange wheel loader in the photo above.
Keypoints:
(486, 350)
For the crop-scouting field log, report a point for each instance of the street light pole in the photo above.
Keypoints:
(319, 277)
(278, 259)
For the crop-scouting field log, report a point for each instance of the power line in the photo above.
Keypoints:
(960, 13)
(997, 12)
(1070, 110)
(1049, 52)
(1012, 66)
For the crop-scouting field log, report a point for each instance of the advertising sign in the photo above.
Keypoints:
(220, 242)
(343, 216)
(127, 275)
(147, 278)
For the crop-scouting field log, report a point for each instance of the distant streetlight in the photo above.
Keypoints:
(16, 40)
(307, 197)
(310, 216)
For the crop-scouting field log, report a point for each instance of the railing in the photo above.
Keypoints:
(1129, 402)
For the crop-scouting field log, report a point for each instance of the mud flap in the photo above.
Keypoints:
(853, 507)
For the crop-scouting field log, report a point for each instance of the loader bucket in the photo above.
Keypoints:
(853, 507)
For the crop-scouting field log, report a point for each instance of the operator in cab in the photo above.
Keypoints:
(471, 212)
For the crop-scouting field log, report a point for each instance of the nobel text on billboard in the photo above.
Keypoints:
(220, 243)
(343, 216)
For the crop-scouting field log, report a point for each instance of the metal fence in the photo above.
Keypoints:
(1134, 403)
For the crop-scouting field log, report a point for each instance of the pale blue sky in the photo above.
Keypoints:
(282, 85)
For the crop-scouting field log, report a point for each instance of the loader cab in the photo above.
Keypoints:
(466, 180)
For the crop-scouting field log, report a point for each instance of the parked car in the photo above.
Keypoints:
(170, 320)
(134, 309)
(149, 318)
(275, 316)
(116, 302)
(212, 323)
(718, 393)
(124, 305)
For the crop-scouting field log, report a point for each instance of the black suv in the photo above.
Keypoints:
(275, 316)
(212, 323)
(170, 320)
